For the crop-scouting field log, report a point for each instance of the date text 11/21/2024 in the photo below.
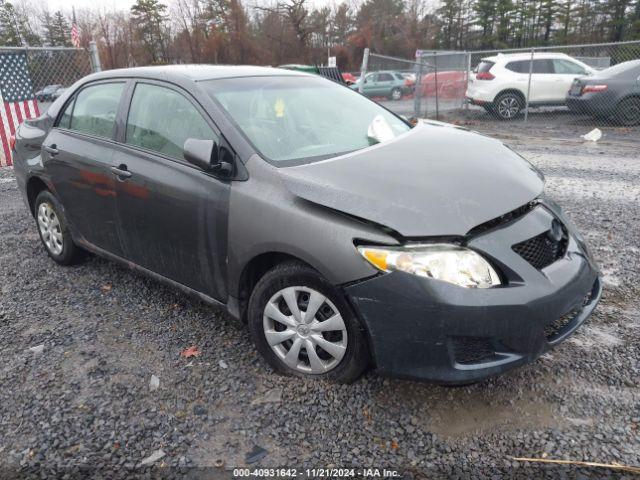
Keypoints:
(316, 473)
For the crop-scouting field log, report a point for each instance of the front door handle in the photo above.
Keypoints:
(51, 149)
(121, 171)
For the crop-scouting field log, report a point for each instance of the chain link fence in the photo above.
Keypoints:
(564, 91)
(31, 78)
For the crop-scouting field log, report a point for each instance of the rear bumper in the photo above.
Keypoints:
(596, 104)
(477, 101)
(480, 94)
(425, 329)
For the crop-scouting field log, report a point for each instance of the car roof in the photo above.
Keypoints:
(197, 72)
(524, 56)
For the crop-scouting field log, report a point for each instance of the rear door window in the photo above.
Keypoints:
(543, 66)
(161, 119)
(520, 66)
(566, 67)
(94, 109)
(385, 77)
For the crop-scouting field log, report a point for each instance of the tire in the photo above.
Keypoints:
(488, 108)
(53, 230)
(396, 94)
(302, 285)
(628, 112)
(507, 105)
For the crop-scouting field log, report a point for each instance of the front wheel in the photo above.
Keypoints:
(508, 105)
(302, 326)
(628, 112)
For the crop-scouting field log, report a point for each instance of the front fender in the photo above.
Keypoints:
(265, 217)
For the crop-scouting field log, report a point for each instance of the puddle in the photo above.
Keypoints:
(477, 417)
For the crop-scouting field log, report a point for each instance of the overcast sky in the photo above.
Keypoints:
(107, 4)
(66, 5)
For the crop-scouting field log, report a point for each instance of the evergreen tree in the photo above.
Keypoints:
(149, 18)
(548, 11)
(485, 11)
(9, 32)
(504, 11)
(58, 31)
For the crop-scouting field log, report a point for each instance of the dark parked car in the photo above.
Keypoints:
(341, 234)
(612, 93)
(47, 94)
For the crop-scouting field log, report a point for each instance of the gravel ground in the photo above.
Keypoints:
(84, 407)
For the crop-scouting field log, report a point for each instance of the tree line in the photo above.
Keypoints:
(295, 31)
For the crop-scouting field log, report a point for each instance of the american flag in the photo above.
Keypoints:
(17, 99)
(75, 35)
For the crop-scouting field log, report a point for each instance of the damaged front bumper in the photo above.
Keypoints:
(426, 329)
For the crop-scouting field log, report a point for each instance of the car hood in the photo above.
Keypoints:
(434, 180)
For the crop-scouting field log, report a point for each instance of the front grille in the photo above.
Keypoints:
(469, 350)
(542, 250)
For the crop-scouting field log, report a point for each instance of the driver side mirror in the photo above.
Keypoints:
(205, 154)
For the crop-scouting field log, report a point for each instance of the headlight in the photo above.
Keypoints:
(449, 263)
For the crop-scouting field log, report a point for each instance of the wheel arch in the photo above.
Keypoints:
(621, 101)
(255, 269)
(35, 185)
(632, 95)
(515, 91)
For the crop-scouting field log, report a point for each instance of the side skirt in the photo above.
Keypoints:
(156, 276)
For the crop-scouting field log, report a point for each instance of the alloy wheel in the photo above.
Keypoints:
(508, 107)
(396, 94)
(50, 228)
(305, 330)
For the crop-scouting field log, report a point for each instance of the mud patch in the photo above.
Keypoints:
(590, 336)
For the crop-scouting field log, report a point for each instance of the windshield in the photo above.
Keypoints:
(295, 119)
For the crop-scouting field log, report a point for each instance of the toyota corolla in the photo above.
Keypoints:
(343, 236)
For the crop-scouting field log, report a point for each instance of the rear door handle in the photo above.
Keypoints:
(51, 149)
(121, 171)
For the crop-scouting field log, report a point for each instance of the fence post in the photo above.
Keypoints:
(526, 108)
(363, 69)
(435, 66)
(417, 92)
(94, 57)
(467, 76)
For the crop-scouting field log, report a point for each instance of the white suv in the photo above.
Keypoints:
(500, 83)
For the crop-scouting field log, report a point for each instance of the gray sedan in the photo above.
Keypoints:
(343, 236)
(613, 93)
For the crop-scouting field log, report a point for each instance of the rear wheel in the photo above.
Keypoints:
(54, 230)
(302, 326)
(508, 105)
(628, 111)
